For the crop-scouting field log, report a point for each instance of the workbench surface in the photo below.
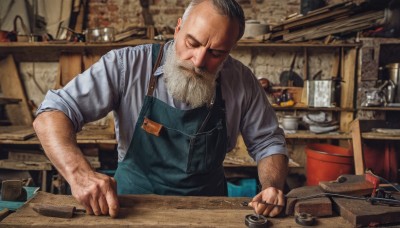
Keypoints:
(155, 211)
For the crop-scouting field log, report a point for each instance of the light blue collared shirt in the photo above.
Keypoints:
(118, 82)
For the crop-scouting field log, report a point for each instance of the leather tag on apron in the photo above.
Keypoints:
(151, 127)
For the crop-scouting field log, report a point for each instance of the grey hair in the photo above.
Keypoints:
(229, 8)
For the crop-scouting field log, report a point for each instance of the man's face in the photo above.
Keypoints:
(201, 46)
(205, 38)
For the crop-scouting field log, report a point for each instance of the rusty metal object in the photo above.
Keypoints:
(256, 221)
(57, 211)
(12, 190)
(305, 219)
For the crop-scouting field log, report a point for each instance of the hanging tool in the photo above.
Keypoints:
(57, 211)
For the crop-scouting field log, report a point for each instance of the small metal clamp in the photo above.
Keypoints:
(256, 221)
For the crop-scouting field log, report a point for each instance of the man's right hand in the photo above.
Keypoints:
(96, 192)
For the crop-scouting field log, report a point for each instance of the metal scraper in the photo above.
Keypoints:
(57, 211)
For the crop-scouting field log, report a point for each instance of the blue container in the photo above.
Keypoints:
(242, 188)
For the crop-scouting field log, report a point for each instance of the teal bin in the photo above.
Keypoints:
(242, 188)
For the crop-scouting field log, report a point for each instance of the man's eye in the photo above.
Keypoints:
(191, 44)
(216, 54)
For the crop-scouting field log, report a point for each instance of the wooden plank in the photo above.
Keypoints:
(321, 206)
(318, 19)
(357, 22)
(354, 185)
(379, 136)
(24, 165)
(16, 132)
(359, 164)
(70, 65)
(345, 121)
(348, 77)
(319, 11)
(89, 60)
(154, 211)
(361, 213)
(11, 86)
(8, 100)
(303, 134)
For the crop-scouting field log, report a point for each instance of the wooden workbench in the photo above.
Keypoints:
(155, 211)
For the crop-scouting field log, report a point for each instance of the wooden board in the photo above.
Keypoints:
(11, 86)
(70, 65)
(25, 165)
(16, 132)
(361, 213)
(154, 211)
(355, 185)
(321, 206)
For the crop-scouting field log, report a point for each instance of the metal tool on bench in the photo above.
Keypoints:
(57, 211)
(304, 219)
(256, 221)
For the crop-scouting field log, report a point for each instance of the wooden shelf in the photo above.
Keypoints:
(379, 136)
(25, 135)
(305, 108)
(379, 108)
(65, 44)
(242, 43)
(50, 51)
(302, 134)
(7, 100)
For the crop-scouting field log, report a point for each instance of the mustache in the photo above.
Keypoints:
(187, 65)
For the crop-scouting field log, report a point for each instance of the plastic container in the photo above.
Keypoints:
(326, 162)
(242, 188)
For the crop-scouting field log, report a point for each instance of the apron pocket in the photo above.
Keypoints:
(207, 150)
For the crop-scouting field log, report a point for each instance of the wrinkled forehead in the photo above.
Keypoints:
(209, 26)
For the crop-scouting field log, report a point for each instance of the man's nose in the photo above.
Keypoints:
(199, 57)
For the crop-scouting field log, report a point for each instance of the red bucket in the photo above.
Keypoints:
(326, 162)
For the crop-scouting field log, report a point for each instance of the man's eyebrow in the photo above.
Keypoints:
(210, 49)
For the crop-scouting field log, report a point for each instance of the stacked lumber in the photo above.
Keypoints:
(342, 18)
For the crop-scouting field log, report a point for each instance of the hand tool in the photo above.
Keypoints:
(57, 211)
(245, 203)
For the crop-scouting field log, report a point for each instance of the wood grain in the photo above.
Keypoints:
(11, 86)
(361, 213)
(154, 211)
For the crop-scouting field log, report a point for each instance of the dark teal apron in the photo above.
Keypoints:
(187, 155)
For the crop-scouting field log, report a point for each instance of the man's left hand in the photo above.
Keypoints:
(265, 201)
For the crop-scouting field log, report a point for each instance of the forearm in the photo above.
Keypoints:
(272, 171)
(58, 139)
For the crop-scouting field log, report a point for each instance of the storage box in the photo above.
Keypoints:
(242, 188)
(321, 93)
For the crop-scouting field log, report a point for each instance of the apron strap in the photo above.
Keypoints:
(152, 84)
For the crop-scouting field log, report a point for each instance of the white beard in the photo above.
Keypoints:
(187, 83)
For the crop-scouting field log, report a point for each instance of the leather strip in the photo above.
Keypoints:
(153, 79)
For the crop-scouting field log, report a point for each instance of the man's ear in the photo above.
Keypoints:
(178, 26)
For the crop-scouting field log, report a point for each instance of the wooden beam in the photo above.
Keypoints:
(359, 165)
(11, 86)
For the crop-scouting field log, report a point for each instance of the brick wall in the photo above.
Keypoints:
(123, 14)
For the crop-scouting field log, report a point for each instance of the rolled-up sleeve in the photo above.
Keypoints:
(90, 95)
(260, 128)
(248, 105)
